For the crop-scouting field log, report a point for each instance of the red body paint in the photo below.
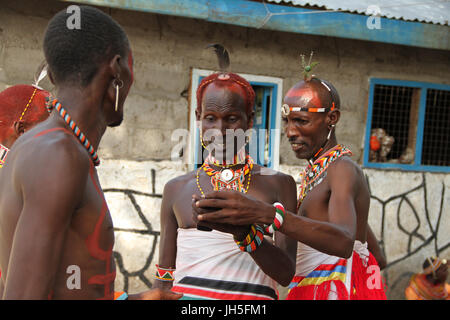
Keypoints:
(92, 243)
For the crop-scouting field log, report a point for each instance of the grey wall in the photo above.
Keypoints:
(166, 48)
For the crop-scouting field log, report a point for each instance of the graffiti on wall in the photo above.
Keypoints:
(401, 200)
(420, 217)
(148, 230)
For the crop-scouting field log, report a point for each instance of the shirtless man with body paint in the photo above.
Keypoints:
(53, 214)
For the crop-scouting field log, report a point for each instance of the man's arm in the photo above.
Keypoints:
(168, 236)
(278, 261)
(52, 184)
(334, 237)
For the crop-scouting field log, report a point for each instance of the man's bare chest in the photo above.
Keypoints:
(315, 203)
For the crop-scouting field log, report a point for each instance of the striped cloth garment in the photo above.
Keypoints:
(209, 265)
(320, 276)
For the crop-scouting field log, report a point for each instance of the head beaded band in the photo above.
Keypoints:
(40, 74)
(286, 110)
(3, 153)
(28, 104)
(306, 69)
(434, 265)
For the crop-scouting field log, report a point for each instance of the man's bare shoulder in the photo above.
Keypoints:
(345, 169)
(179, 182)
(273, 176)
(34, 151)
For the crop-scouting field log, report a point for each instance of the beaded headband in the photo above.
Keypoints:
(285, 109)
(3, 153)
(40, 74)
(434, 265)
(306, 69)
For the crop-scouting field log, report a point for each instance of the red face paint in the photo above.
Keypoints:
(306, 97)
(130, 64)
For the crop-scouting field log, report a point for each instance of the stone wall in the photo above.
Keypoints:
(408, 214)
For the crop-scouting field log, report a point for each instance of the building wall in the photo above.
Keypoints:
(408, 214)
(165, 49)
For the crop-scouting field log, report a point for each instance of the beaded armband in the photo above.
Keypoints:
(253, 240)
(164, 274)
(278, 220)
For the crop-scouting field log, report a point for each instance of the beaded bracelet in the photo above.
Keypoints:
(249, 238)
(164, 274)
(255, 242)
(278, 220)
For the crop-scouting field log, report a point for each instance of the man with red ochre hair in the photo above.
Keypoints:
(334, 259)
(218, 260)
(21, 108)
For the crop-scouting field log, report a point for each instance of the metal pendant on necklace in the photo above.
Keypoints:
(228, 179)
(226, 175)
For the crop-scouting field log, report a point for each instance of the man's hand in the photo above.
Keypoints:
(239, 232)
(156, 294)
(233, 208)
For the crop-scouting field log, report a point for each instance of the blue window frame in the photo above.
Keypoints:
(421, 113)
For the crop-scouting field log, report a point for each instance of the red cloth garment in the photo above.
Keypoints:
(367, 283)
(325, 282)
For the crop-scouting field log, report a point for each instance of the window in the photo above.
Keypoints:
(408, 126)
(268, 91)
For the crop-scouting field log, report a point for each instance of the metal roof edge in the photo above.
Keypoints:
(292, 19)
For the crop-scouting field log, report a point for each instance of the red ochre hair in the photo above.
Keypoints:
(13, 101)
(233, 79)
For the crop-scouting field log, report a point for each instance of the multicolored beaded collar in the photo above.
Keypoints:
(81, 137)
(315, 173)
(227, 178)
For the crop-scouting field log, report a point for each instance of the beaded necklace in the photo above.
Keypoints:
(239, 158)
(315, 173)
(227, 179)
(81, 137)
